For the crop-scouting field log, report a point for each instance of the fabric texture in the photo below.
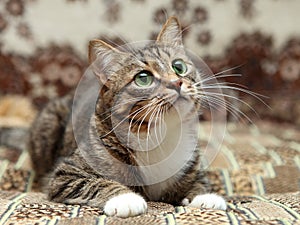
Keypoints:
(257, 170)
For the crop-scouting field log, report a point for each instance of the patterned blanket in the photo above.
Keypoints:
(257, 169)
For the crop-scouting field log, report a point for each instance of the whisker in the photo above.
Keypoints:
(161, 118)
(253, 94)
(232, 68)
(215, 103)
(143, 119)
(136, 122)
(219, 74)
(155, 114)
(117, 106)
(228, 96)
(158, 115)
(214, 77)
(227, 84)
(123, 120)
(149, 125)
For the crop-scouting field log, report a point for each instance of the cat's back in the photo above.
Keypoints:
(50, 133)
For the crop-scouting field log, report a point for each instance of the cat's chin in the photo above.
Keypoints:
(184, 106)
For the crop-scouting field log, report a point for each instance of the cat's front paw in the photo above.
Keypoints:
(125, 205)
(211, 201)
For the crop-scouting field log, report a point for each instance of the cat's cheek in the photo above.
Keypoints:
(125, 205)
(210, 201)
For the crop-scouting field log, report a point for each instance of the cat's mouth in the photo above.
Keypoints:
(147, 114)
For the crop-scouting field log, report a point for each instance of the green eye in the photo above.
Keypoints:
(144, 79)
(179, 66)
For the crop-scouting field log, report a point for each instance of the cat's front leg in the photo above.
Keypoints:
(72, 184)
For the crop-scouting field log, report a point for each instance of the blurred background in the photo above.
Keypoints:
(43, 46)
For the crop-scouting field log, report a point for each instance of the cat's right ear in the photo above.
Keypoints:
(99, 48)
(106, 57)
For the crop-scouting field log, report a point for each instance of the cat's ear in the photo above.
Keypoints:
(100, 48)
(171, 32)
(106, 56)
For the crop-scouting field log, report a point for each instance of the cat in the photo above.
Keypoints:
(142, 137)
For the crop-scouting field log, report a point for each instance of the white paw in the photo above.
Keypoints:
(125, 205)
(211, 201)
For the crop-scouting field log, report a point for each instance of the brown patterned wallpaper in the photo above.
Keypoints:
(43, 44)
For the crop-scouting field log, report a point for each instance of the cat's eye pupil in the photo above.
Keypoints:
(144, 78)
(179, 66)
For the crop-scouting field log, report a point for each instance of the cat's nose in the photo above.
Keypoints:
(176, 85)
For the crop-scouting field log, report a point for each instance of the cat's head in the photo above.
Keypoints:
(141, 84)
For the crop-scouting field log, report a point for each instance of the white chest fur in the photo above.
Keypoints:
(164, 165)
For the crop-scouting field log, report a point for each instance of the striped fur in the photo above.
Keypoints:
(112, 168)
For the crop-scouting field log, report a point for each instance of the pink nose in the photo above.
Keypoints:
(176, 85)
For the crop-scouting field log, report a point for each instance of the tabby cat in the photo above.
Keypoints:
(141, 139)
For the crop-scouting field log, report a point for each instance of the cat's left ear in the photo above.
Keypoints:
(171, 33)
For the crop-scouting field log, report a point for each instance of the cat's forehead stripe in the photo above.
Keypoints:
(151, 58)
